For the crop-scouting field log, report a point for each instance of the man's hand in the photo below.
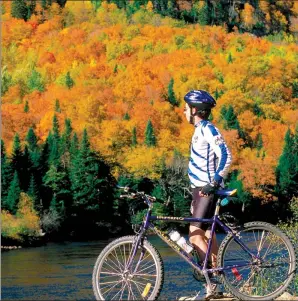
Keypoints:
(208, 189)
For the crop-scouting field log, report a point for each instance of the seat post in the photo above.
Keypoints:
(217, 207)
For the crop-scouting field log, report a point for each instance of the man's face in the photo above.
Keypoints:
(187, 112)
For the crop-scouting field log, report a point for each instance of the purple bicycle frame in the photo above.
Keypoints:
(214, 221)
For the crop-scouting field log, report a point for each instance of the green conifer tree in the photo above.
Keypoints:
(6, 173)
(295, 89)
(66, 136)
(230, 58)
(134, 140)
(6, 80)
(74, 146)
(16, 162)
(204, 14)
(34, 193)
(91, 184)
(57, 106)
(126, 116)
(31, 140)
(69, 82)
(19, 9)
(216, 94)
(150, 139)
(259, 144)
(286, 171)
(57, 180)
(26, 107)
(171, 93)
(231, 121)
(35, 82)
(54, 156)
(14, 191)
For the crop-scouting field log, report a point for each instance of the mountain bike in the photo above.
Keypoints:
(254, 262)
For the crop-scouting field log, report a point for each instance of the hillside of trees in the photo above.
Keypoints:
(93, 85)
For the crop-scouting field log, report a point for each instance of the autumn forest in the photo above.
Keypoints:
(92, 95)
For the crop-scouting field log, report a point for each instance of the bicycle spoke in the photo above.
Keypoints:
(119, 263)
(259, 277)
(112, 267)
(115, 282)
(137, 289)
(147, 268)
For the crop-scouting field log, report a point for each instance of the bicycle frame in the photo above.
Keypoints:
(215, 221)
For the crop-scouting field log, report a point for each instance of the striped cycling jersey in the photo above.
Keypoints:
(210, 157)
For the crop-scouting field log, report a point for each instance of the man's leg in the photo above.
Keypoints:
(214, 248)
(199, 238)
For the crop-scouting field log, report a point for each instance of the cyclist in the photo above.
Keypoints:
(210, 159)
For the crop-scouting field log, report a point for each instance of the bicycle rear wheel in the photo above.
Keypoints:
(143, 280)
(264, 279)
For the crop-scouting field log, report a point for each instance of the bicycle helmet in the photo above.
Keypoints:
(200, 99)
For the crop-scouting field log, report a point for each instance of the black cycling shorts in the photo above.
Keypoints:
(202, 207)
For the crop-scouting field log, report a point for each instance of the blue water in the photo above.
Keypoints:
(64, 271)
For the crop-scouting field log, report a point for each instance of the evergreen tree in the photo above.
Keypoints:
(295, 89)
(69, 82)
(14, 191)
(65, 144)
(150, 139)
(6, 80)
(35, 82)
(54, 156)
(45, 154)
(57, 106)
(230, 118)
(57, 180)
(286, 171)
(31, 8)
(134, 141)
(66, 136)
(44, 4)
(96, 4)
(216, 94)
(126, 116)
(74, 146)
(242, 195)
(171, 93)
(6, 173)
(204, 14)
(230, 58)
(257, 110)
(259, 144)
(91, 184)
(56, 134)
(19, 9)
(17, 161)
(34, 193)
(26, 169)
(31, 140)
(26, 107)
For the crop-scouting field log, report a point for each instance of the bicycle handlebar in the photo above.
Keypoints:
(134, 194)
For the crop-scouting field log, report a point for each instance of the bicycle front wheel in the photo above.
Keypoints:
(115, 279)
(263, 279)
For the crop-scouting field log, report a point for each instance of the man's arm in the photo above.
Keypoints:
(217, 143)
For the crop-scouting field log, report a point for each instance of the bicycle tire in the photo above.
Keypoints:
(111, 258)
(255, 275)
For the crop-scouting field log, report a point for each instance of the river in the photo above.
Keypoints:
(63, 271)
